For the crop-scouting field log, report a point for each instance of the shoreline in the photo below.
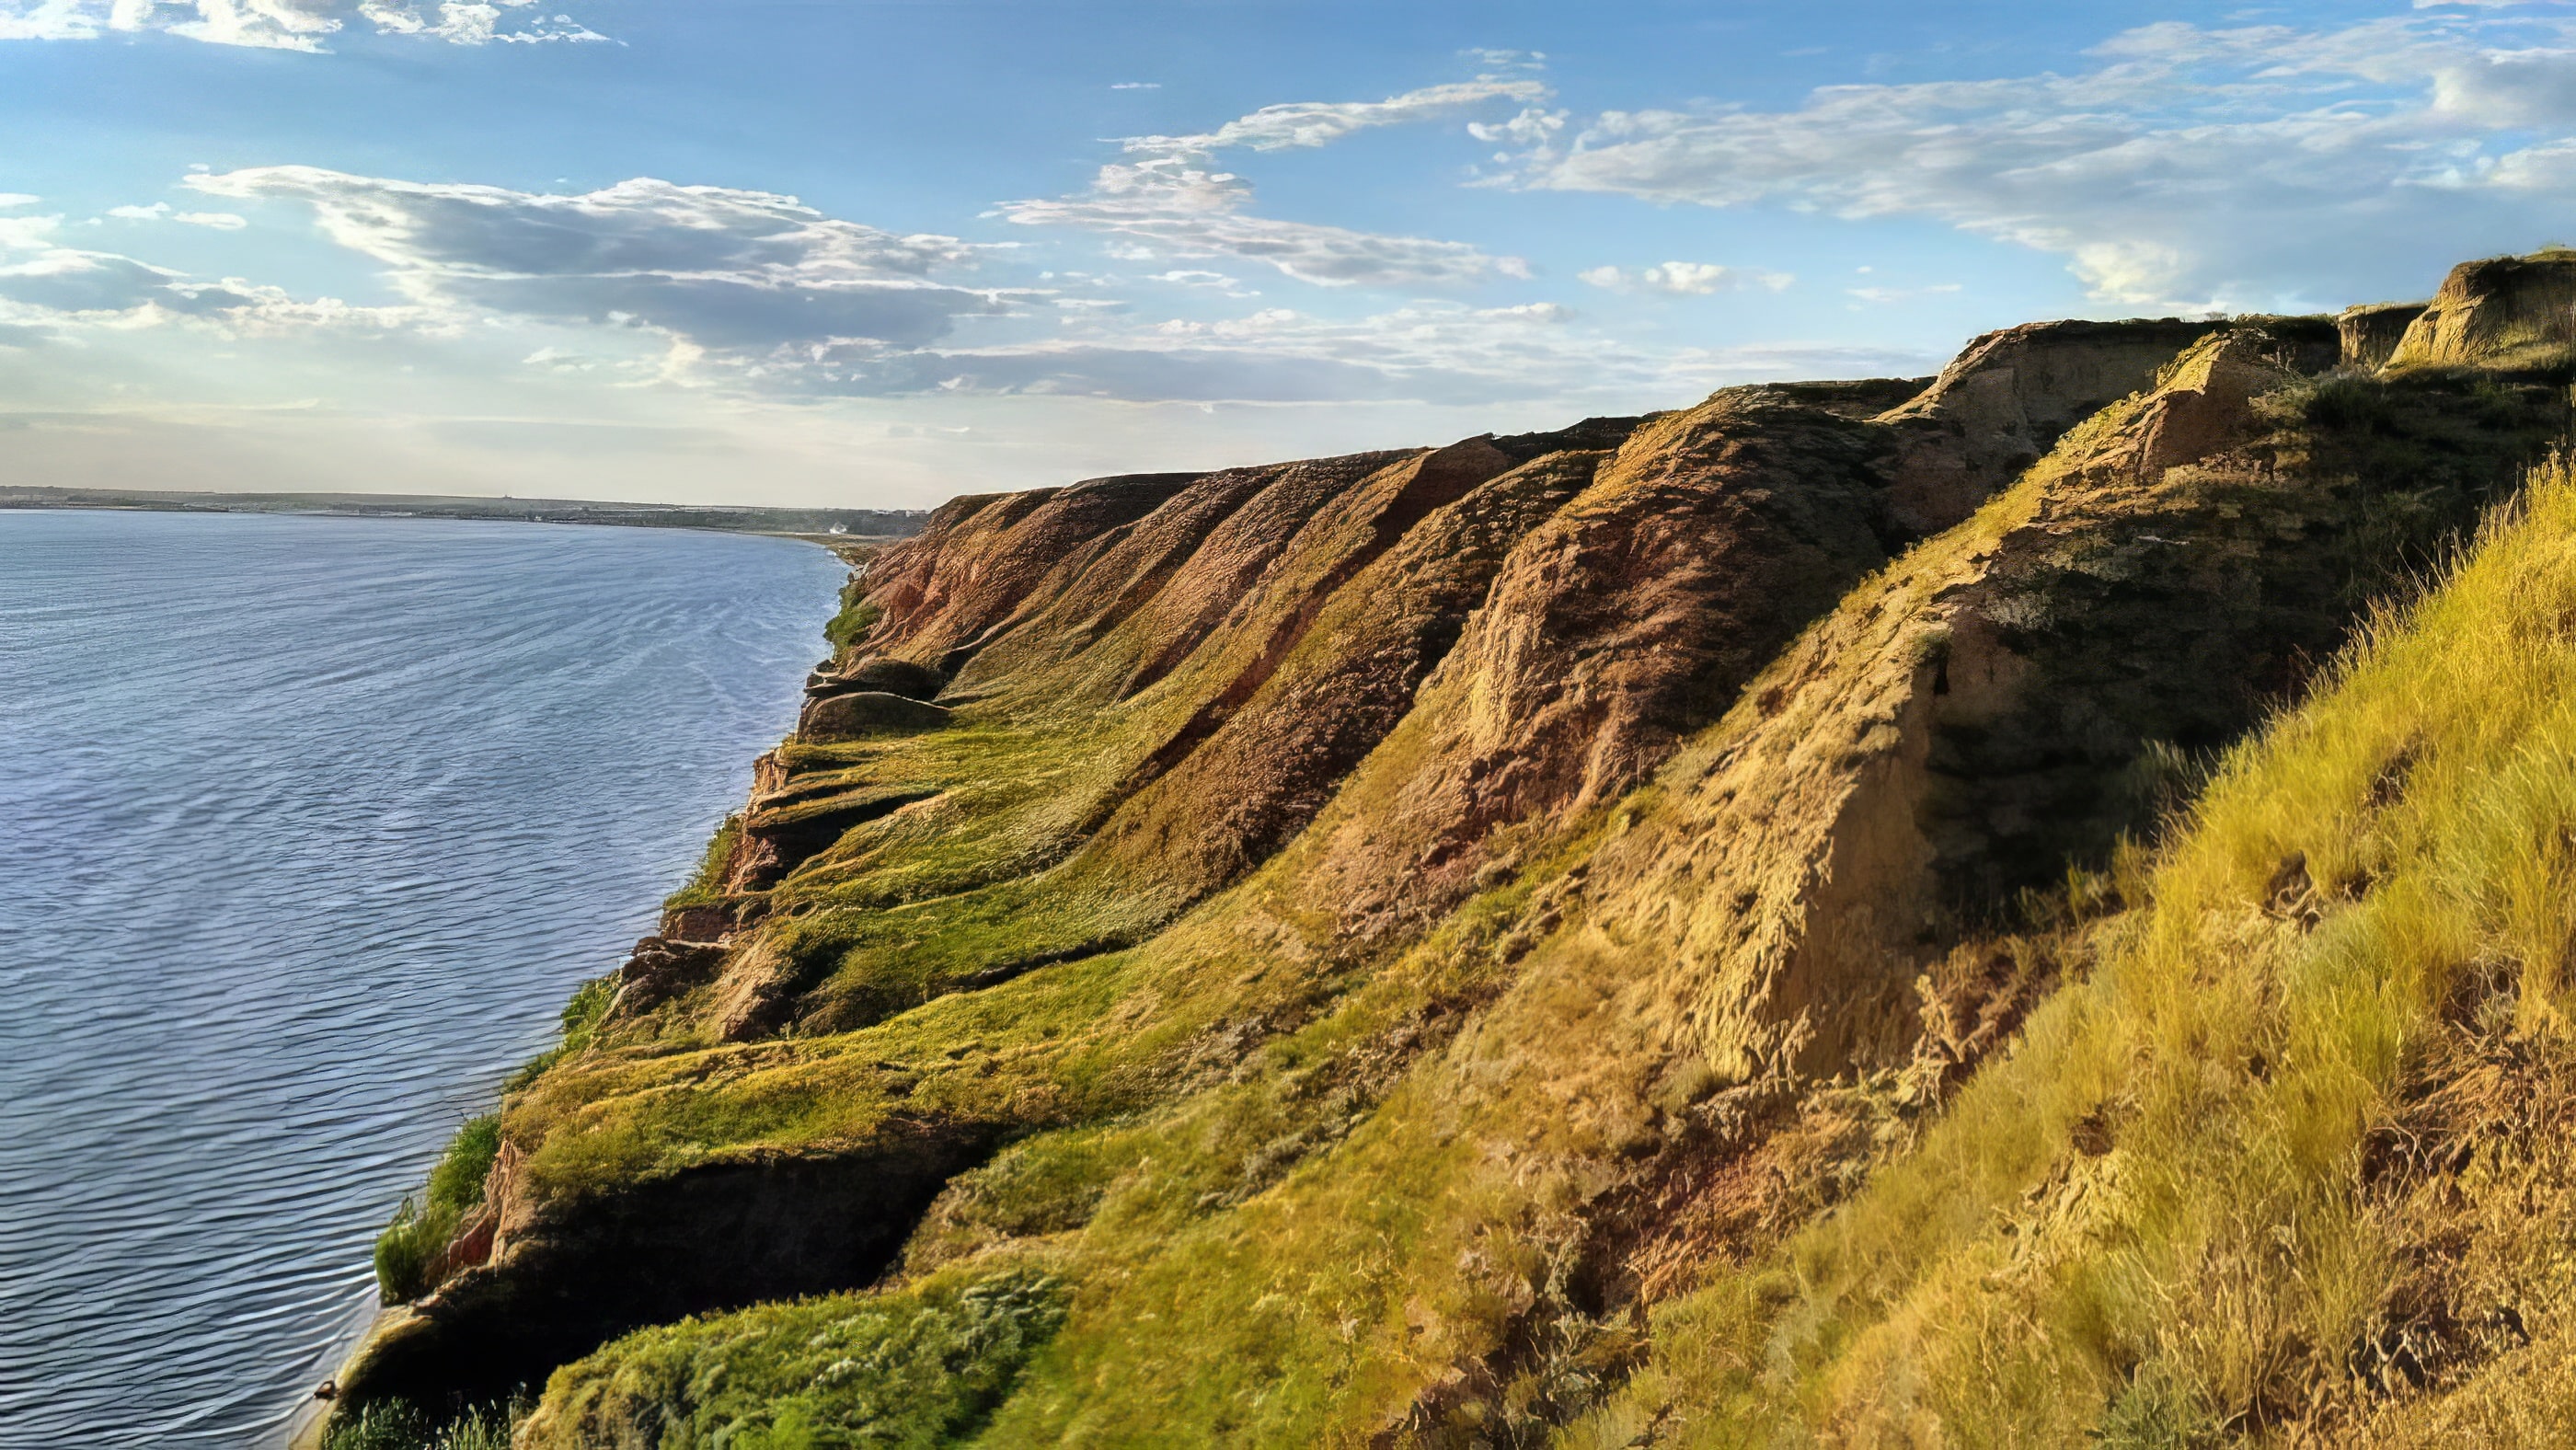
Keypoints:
(309, 1426)
(821, 525)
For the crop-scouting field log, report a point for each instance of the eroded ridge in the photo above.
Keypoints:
(1315, 953)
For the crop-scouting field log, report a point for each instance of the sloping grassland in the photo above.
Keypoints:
(1971, 913)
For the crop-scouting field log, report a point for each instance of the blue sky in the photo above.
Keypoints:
(818, 251)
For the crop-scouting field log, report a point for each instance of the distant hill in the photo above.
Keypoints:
(868, 523)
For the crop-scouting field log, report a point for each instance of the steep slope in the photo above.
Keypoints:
(2292, 1160)
(1319, 953)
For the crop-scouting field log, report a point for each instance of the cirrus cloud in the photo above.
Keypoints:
(1170, 201)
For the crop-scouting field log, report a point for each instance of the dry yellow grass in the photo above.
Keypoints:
(2195, 1204)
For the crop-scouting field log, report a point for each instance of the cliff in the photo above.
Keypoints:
(1911, 911)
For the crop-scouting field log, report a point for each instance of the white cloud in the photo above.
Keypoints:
(757, 293)
(555, 359)
(1137, 86)
(222, 221)
(47, 287)
(1166, 208)
(475, 23)
(1685, 279)
(1320, 123)
(1170, 201)
(1217, 282)
(2187, 166)
(304, 25)
(718, 267)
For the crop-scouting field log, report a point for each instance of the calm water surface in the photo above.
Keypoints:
(307, 829)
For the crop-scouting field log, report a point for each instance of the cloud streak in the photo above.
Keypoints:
(1169, 200)
(304, 25)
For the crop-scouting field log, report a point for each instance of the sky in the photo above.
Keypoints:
(876, 253)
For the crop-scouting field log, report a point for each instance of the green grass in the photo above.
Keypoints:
(580, 1025)
(407, 1252)
(395, 1425)
(918, 1368)
(706, 884)
(851, 622)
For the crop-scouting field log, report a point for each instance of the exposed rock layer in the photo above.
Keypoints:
(2497, 310)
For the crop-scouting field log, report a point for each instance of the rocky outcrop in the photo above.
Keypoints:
(1967, 728)
(562, 1277)
(783, 830)
(862, 713)
(1631, 617)
(660, 969)
(2007, 399)
(1257, 764)
(945, 591)
(2372, 331)
(881, 673)
(2500, 310)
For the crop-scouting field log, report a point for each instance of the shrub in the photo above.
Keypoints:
(856, 618)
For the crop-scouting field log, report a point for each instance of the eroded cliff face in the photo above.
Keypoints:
(1357, 934)
(2503, 310)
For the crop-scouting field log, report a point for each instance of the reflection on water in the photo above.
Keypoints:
(307, 828)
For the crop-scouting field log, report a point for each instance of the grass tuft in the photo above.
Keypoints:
(397, 1425)
(410, 1252)
(922, 1367)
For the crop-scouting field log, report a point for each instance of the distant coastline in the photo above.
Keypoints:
(824, 525)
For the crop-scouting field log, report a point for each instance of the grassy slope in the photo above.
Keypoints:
(1223, 1288)
(1261, 1223)
(2292, 1157)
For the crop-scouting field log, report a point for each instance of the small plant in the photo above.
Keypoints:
(411, 1252)
(580, 1019)
(707, 884)
(856, 617)
(408, 1252)
(457, 1182)
(397, 1425)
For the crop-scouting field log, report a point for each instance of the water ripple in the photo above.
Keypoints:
(308, 827)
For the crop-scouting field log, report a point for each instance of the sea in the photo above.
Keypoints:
(308, 828)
